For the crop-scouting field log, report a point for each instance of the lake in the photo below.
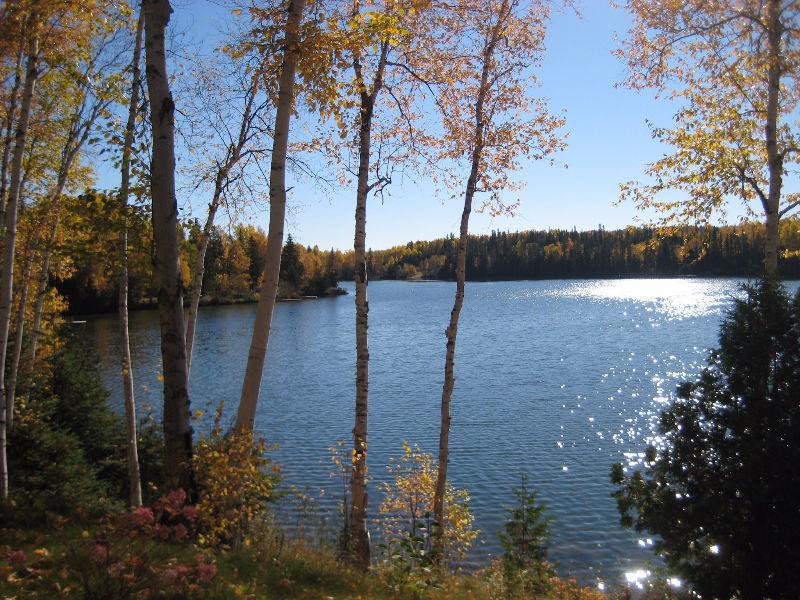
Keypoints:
(558, 379)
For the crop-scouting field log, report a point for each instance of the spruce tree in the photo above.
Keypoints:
(721, 492)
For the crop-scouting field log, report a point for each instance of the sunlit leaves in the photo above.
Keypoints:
(711, 59)
(485, 64)
(236, 480)
(407, 506)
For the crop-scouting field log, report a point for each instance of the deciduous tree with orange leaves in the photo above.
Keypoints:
(733, 68)
(492, 121)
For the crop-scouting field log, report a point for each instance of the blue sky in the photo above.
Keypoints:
(608, 143)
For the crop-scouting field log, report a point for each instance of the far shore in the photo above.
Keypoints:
(213, 301)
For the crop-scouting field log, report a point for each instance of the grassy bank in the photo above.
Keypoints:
(63, 562)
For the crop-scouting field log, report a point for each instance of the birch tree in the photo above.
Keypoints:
(12, 205)
(134, 477)
(376, 111)
(245, 418)
(178, 467)
(492, 122)
(8, 122)
(93, 77)
(733, 70)
(369, 87)
(239, 129)
(54, 105)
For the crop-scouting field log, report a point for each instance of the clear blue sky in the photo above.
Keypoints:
(609, 143)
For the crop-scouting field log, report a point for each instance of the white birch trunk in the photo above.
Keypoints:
(359, 532)
(198, 273)
(451, 332)
(132, 446)
(233, 157)
(12, 206)
(8, 137)
(246, 416)
(13, 369)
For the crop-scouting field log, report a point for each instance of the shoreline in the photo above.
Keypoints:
(142, 306)
(153, 305)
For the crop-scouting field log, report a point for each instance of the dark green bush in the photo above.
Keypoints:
(721, 495)
(67, 446)
(48, 470)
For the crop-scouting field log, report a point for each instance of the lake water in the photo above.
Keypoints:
(558, 379)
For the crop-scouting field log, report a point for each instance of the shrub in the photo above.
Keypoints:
(721, 493)
(407, 514)
(48, 470)
(67, 451)
(130, 555)
(236, 481)
(138, 554)
(67, 446)
(525, 538)
(342, 458)
(81, 408)
(150, 436)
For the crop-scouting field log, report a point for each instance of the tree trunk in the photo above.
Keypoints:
(359, 534)
(359, 542)
(451, 332)
(233, 157)
(12, 206)
(134, 476)
(41, 292)
(178, 467)
(245, 419)
(774, 158)
(199, 271)
(13, 370)
(8, 137)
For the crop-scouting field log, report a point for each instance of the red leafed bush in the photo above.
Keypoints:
(132, 555)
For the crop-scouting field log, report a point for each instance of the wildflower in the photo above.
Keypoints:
(142, 516)
(99, 553)
(206, 572)
(180, 532)
(17, 558)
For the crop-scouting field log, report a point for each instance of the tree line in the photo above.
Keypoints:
(234, 259)
(731, 251)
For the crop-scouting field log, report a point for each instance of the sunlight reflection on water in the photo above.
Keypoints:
(676, 298)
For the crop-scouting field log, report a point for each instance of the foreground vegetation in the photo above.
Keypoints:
(48, 566)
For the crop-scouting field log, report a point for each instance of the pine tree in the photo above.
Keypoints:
(527, 530)
(292, 272)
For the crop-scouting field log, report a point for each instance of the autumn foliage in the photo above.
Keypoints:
(407, 511)
(127, 555)
(237, 482)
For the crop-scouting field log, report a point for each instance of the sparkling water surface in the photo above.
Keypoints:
(558, 379)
